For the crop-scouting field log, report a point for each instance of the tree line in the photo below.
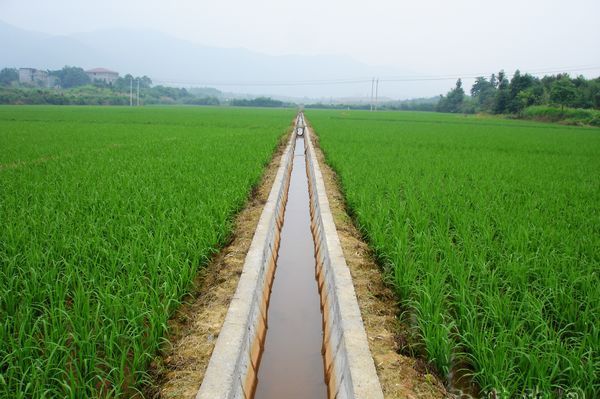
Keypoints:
(74, 87)
(499, 95)
(551, 97)
(260, 102)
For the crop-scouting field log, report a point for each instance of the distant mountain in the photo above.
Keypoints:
(21, 48)
(182, 63)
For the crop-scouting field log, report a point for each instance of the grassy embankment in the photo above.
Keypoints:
(567, 116)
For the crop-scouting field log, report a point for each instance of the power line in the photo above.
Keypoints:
(531, 71)
(414, 78)
(474, 76)
(282, 83)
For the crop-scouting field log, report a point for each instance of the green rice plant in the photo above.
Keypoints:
(107, 214)
(489, 231)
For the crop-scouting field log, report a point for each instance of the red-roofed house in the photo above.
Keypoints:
(103, 74)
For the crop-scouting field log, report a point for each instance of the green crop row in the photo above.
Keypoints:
(489, 231)
(106, 215)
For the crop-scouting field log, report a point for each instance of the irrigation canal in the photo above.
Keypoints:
(293, 328)
(292, 361)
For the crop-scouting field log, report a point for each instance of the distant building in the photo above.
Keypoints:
(35, 77)
(102, 74)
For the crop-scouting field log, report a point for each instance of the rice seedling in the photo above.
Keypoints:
(107, 214)
(489, 231)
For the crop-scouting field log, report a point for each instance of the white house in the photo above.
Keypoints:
(103, 74)
(34, 77)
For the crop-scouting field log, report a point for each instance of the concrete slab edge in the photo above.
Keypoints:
(349, 367)
(232, 369)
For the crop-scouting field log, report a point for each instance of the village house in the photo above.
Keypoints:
(36, 77)
(102, 74)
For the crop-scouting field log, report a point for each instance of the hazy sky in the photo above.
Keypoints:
(427, 36)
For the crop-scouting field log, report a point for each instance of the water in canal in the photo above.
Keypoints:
(292, 363)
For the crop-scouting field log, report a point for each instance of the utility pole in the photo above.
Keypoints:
(376, 93)
(131, 91)
(372, 84)
(138, 92)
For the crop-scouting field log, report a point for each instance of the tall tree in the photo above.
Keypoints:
(483, 93)
(145, 82)
(494, 81)
(595, 92)
(563, 92)
(524, 90)
(502, 97)
(8, 76)
(479, 86)
(71, 77)
(454, 99)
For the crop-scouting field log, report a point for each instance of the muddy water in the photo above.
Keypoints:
(292, 363)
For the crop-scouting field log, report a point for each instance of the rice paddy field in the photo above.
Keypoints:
(106, 216)
(489, 232)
